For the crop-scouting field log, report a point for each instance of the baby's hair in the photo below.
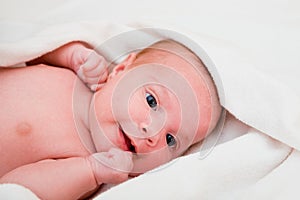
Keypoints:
(185, 53)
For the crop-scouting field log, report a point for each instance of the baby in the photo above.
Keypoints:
(62, 140)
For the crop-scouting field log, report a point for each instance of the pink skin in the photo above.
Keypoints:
(101, 152)
(151, 149)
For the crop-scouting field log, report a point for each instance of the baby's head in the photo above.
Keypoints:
(156, 103)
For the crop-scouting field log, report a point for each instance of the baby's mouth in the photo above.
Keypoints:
(128, 142)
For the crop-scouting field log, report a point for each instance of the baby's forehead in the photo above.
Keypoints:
(176, 49)
(170, 64)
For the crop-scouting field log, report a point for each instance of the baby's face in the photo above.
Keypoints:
(152, 108)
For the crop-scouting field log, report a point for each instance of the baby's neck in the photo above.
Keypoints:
(82, 99)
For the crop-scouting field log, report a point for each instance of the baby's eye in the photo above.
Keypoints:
(171, 141)
(151, 101)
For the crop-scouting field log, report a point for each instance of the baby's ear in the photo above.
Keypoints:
(123, 65)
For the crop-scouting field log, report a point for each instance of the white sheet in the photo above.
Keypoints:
(253, 47)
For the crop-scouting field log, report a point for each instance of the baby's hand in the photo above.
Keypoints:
(90, 67)
(112, 166)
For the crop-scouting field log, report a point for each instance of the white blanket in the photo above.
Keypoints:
(253, 59)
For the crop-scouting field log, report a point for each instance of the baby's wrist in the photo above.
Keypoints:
(94, 168)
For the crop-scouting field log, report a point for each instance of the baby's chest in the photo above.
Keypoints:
(37, 117)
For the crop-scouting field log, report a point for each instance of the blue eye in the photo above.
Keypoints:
(171, 141)
(151, 101)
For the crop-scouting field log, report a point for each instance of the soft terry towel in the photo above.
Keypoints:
(253, 84)
(14, 191)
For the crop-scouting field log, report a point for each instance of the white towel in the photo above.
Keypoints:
(251, 49)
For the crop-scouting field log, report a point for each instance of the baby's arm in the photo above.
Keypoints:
(72, 178)
(77, 56)
(55, 179)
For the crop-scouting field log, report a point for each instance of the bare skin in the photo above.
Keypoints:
(56, 133)
(40, 149)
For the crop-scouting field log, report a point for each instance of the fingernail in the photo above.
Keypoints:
(94, 87)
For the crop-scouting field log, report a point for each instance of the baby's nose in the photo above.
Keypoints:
(150, 137)
(143, 128)
(150, 141)
(149, 144)
(153, 140)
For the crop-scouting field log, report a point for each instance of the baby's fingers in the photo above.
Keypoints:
(95, 87)
(112, 166)
(94, 65)
(91, 80)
